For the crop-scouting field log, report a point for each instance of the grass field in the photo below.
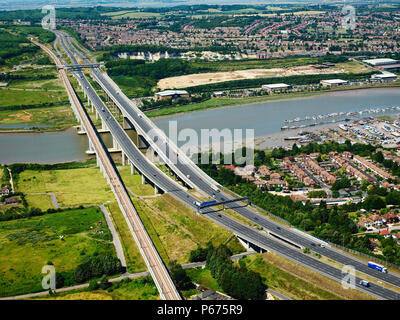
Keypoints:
(131, 14)
(41, 201)
(134, 182)
(31, 243)
(176, 230)
(298, 282)
(132, 289)
(134, 260)
(57, 117)
(203, 276)
(72, 187)
(11, 97)
(50, 84)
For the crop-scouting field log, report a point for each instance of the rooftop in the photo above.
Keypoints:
(276, 85)
(377, 62)
(334, 81)
(171, 92)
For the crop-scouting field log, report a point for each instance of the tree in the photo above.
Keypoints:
(93, 285)
(104, 284)
(179, 277)
(373, 202)
(393, 197)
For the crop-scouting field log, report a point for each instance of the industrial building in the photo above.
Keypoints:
(333, 82)
(276, 87)
(380, 62)
(384, 77)
(171, 94)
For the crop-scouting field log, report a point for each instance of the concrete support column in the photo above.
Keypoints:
(104, 126)
(123, 158)
(97, 115)
(97, 160)
(143, 179)
(132, 169)
(156, 190)
(91, 147)
(115, 144)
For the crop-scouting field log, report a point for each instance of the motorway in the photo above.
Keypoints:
(245, 232)
(153, 261)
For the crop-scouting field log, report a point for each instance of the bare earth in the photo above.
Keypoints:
(197, 79)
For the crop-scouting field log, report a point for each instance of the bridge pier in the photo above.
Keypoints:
(97, 115)
(116, 145)
(156, 190)
(91, 147)
(104, 127)
(143, 179)
(123, 158)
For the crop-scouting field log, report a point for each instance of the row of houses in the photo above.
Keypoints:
(374, 168)
(315, 167)
(299, 173)
(378, 221)
(261, 177)
(340, 162)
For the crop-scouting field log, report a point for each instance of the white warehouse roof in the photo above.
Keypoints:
(171, 92)
(334, 81)
(276, 86)
(378, 62)
(384, 75)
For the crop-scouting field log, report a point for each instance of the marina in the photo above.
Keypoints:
(334, 117)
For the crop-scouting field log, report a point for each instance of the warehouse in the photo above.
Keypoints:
(171, 94)
(384, 77)
(380, 62)
(333, 82)
(276, 87)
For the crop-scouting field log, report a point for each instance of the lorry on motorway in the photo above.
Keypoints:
(208, 202)
(377, 267)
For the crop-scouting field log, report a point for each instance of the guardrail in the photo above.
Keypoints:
(380, 261)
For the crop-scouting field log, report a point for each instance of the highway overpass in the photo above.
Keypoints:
(207, 186)
(150, 255)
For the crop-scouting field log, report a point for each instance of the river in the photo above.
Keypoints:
(268, 117)
(265, 118)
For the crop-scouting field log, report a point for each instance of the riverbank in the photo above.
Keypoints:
(215, 103)
(40, 130)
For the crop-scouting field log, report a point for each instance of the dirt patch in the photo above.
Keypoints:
(26, 116)
(197, 79)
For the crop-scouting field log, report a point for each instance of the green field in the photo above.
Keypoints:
(130, 14)
(134, 182)
(72, 187)
(41, 201)
(131, 289)
(12, 97)
(134, 260)
(203, 276)
(176, 230)
(31, 243)
(47, 84)
(57, 117)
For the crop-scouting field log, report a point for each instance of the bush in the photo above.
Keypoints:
(93, 285)
(104, 284)
(97, 266)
